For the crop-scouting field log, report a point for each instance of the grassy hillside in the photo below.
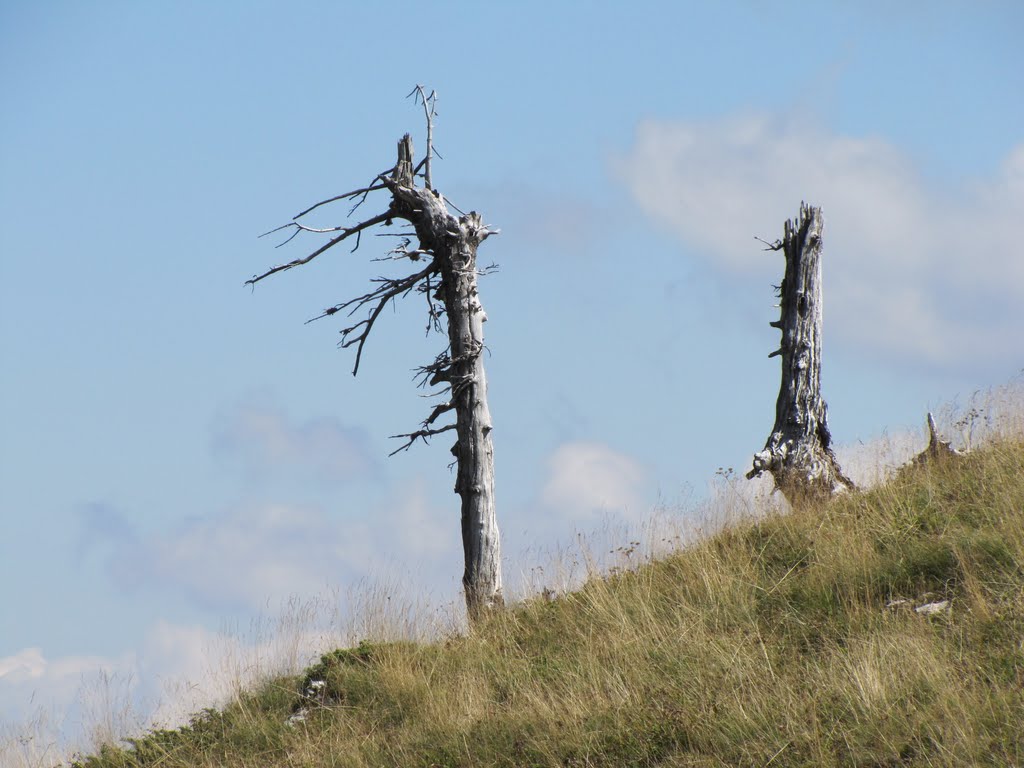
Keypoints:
(885, 629)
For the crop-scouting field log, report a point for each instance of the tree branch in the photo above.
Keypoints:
(776, 246)
(440, 371)
(389, 289)
(363, 191)
(402, 251)
(378, 219)
(438, 410)
(369, 189)
(420, 434)
(429, 112)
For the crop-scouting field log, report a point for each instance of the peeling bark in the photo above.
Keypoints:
(798, 451)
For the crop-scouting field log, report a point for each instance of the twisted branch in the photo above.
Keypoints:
(388, 289)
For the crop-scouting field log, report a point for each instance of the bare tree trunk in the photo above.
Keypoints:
(454, 244)
(798, 452)
(474, 451)
(449, 283)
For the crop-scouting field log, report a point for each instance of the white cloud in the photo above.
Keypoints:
(263, 440)
(253, 555)
(30, 667)
(26, 664)
(910, 270)
(587, 479)
(52, 706)
(48, 704)
(413, 528)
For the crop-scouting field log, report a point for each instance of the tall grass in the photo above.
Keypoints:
(885, 628)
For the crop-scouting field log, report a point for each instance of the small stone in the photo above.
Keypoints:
(299, 717)
(930, 609)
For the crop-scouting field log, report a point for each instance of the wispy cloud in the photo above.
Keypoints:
(252, 555)
(913, 270)
(26, 664)
(59, 687)
(588, 480)
(261, 440)
(248, 556)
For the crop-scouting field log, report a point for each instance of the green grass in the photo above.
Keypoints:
(775, 642)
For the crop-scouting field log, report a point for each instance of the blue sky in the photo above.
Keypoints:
(180, 453)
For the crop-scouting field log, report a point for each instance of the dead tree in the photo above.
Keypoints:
(798, 452)
(444, 253)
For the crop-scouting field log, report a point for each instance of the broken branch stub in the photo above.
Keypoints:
(798, 452)
(937, 449)
(937, 453)
(449, 279)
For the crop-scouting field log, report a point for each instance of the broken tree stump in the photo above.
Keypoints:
(798, 452)
(938, 448)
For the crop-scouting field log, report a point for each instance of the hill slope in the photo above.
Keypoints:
(884, 629)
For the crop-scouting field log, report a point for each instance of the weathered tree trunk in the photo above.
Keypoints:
(449, 282)
(798, 452)
(474, 450)
(454, 243)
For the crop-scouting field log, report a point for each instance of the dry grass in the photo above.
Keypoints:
(789, 640)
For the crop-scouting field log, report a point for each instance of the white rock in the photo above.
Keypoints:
(929, 609)
(298, 717)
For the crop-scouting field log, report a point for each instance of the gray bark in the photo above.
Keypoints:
(454, 242)
(449, 245)
(798, 451)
